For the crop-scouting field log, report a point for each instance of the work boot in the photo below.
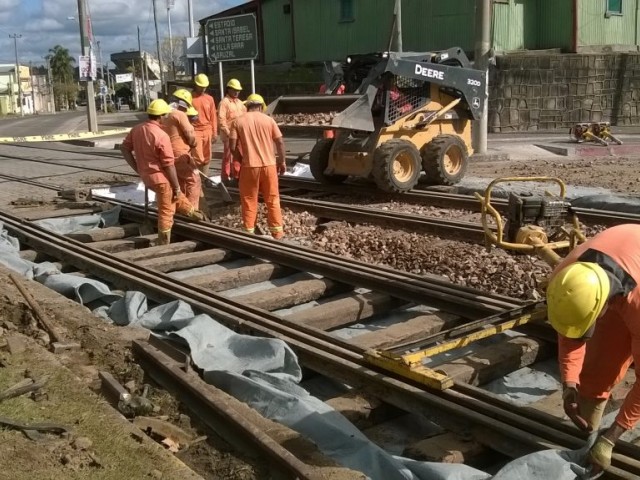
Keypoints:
(197, 215)
(592, 410)
(164, 237)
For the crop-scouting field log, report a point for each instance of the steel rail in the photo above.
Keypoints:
(463, 301)
(454, 409)
(213, 409)
(471, 232)
(130, 173)
(477, 296)
(451, 200)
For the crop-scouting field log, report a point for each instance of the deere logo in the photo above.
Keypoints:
(429, 72)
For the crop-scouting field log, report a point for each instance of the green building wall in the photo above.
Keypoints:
(278, 32)
(320, 34)
(595, 29)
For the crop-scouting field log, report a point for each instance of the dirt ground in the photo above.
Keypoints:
(68, 399)
(618, 174)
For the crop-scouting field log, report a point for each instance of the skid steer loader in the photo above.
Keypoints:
(410, 112)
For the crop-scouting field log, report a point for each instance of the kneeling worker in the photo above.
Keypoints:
(256, 133)
(154, 162)
(593, 302)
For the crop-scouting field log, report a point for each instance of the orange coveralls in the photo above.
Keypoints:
(340, 91)
(229, 109)
(180, 130)
(153, 152)
(206, 128)
(598, 364)
(256, 132)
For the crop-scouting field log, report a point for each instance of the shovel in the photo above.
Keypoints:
(147, 225)
(224, 193)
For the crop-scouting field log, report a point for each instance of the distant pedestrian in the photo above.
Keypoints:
(206, 124)
(183, 143)
(231, 108)
(147, 149)
(257, 134)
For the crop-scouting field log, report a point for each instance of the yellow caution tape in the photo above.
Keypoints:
(57, 137)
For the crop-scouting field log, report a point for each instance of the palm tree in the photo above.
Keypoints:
(61, 64)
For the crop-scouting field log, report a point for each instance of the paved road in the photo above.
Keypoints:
(63, 122)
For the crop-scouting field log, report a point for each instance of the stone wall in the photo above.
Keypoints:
(529, 92)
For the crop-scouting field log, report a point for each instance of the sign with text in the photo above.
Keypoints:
(124, 77)
(232, 38)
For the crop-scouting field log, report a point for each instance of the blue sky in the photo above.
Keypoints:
(45, 23)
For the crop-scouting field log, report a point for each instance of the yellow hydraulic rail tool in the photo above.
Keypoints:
(598, 132)
(538, 225)
(535, 224)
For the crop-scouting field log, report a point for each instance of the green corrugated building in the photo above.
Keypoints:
(304, 31)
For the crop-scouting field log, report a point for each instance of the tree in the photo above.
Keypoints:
(61, 64)
(172, 53)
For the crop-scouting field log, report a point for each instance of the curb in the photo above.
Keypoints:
(59, 137)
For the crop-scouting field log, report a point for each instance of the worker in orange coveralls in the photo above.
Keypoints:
(206, 125)
(593, 302)
(183, 143)
(230, 108)
(154, 162)
(257, 133)
(339, 91)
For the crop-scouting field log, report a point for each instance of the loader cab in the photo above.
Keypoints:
(397, 96)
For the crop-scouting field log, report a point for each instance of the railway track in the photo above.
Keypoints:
(471, 231)
(118, 257)
(441, 199)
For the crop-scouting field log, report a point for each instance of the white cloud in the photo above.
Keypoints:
(45, 23)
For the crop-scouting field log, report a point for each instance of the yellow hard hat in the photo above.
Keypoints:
(235, 84)
(202, 80)
(576, 296)
(158, 107)
(254, 99)
(183, 94)
(192, 112)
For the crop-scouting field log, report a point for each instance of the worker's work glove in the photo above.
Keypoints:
(600, 454)
(282, 168)
(570, 403)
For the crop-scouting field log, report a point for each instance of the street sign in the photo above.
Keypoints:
(124, 77)
(103, 90)
(232, 38)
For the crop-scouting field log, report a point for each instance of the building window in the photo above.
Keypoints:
(614, 7)
(346, 11)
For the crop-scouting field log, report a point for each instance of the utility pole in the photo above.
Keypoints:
(143, 72)
(92, 120)
(104, 97)
(50, 78)
(481, 62)
(33, 93)
(192, 34)
(170, 5)
(155, 22)
(15, 37)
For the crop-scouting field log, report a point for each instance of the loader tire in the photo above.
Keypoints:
(445, 160)
(319, 160)
(396, 166)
